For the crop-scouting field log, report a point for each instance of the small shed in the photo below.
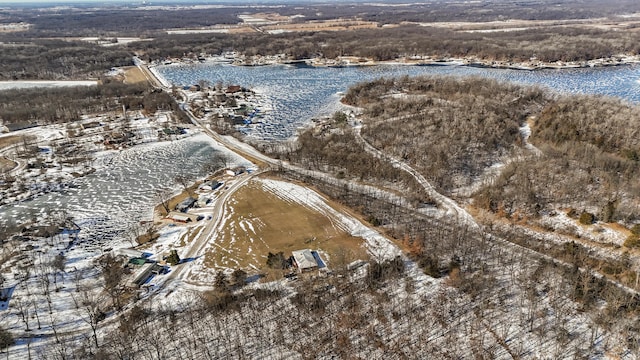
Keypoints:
(304, 260)
(143, 273)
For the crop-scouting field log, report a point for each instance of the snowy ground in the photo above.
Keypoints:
(28, 84)
(105, 204)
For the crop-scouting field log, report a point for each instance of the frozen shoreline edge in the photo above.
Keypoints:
(620, 60)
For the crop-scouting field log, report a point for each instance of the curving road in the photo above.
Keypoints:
(448, 205)
(196, 247)
(445, 203)
(463, 217)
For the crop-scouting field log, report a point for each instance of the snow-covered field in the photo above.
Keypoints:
(105, 205)
(28, 84)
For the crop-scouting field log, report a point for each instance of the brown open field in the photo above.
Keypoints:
(6, 164)
(9, 140)
(327, 25)
(261, 223)
(133, 75)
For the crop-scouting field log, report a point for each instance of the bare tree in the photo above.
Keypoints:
(162, 196)
(23, 310)
(112, 276)
(184, 180)
(88, 305)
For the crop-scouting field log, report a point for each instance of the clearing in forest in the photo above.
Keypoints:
(133, 75)
(265, 216)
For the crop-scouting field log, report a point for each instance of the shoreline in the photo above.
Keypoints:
(351, 61)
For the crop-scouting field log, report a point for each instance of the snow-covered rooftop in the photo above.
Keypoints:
(304, 259)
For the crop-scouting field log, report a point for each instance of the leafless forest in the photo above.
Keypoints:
(509, 284)
(546, 44)
(28, 107)
(50, 47)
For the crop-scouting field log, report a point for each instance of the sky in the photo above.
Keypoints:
(51, 3)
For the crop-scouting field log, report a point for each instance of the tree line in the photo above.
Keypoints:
(549, 44)
(48, 59)
(22, 107)
(335, 150)
(453, 130)
(136, 21)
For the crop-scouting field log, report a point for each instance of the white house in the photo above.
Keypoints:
(304, 260)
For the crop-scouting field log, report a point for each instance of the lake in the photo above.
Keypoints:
(297, 93)
(107, 202)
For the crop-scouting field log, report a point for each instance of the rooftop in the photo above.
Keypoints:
(304, 259)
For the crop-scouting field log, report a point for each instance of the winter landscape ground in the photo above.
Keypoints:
(223, 189)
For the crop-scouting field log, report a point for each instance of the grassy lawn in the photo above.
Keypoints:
(261, 223)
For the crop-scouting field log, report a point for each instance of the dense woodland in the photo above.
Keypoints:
(379, 312)
(593, 139)
(338, 152)
(141, 20)
(453, 130)
(58, 59)
(20, 108)
(546, 44)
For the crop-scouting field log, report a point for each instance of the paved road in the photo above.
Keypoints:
(197, 246)
(450, 206)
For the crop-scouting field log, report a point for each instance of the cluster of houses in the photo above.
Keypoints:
(143, 269)
(180, 213)
(231, 104)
